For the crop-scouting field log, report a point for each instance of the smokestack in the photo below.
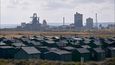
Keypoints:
(96, 20)
(114, 15)
(63, 21)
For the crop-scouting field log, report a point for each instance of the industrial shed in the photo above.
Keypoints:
(35, 43)
(18, 44)
(27, 53)
(86, 46)
(7, 52)
(87, 41)
(2, 43)
(83, 53)
(110, 52)
(78, 41)
(58, 55)
(62, 43)
(106, 43)
(95, 44)
(98, 54)
(43, 50)
(73, 51)
(49, 43)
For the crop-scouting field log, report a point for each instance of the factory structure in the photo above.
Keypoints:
(89, 23)
(35, 24)
(78, 22)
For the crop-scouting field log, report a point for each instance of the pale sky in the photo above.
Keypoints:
(17, 11)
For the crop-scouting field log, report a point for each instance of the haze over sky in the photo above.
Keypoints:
(17, 11)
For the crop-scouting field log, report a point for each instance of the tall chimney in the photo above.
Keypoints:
(63, 21)
(96, 20)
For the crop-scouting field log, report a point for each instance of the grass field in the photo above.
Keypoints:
(46, 62)
(99, 33)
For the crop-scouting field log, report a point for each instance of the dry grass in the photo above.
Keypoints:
(46, 62)
(99, 33)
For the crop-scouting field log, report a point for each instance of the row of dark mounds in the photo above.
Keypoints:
(57, 48)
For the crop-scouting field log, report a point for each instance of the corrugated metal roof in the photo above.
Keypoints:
(50, 41)
(63, 41)
(58, 51)
(87, 41)
(83, 50)
(108, 42)
(31, 50)
(35, 43)
(19, 44)
(97, 42)
(85, 46)
(112, 48)
(5, 47)
(2, 43)
(43, 47)
(98, 50)
(69, 48)
(77, 39)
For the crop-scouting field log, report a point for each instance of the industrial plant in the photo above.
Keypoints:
(35, 24)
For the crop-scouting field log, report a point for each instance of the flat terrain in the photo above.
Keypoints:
(99, 33)
(45, 62)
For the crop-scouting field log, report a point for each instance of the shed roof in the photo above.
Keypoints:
(50, 41)
(83, 50)
(112, 48)
(2, 43)
(85, 46)
(39, 38)
(97, 42)
(35, 43)
(19, 44)
(62, 52)
(77, 39)
(6, 47)
(43, 47)
(98, 50)
(87, 41)
(108, 42)
(63, 41)
(58, 51)
(31, 50)
(69, 48)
